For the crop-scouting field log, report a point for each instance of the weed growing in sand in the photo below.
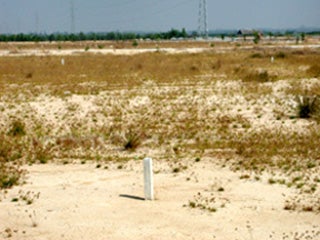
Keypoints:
(303, 203)
(276, 149)
(10, 153)
(28, 197)
(8, 233)
(179, 168)
(17, 128)
(9, 175)
(132, 140)
(33, 218)
(40, 152)
(308, 106)
(207, 202)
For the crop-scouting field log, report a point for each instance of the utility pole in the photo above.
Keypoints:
(73, 24)
(203, 21)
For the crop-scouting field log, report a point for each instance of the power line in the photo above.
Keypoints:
(128, 14)
(112, 5)
(162, 12)
(167, 11)
(37, 21)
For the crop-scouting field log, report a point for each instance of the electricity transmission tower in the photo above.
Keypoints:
(73, 25)
(203, 21)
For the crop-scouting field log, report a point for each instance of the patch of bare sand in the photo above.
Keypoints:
(84, 202)
(67, 52)
(114, 51)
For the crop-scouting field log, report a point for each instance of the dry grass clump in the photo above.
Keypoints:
(74, 142)
(314, 70)
(11, 149)
(39, 152)
(305, 87)
(17, 128)
(257, 55)
(289, 151)
(303, 203)
(257, 76)
(10, 175)
(18, 146)
(132, 140)
(308, 107)
(280, 55)
(114, 72)
(293, 155)
(10, 153)
(128, 140)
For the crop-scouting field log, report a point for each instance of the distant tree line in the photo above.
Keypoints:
(92, 36)
(34, 37)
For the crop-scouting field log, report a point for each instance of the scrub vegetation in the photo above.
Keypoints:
(231, 104)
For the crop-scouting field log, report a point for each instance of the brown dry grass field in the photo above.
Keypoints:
(250, 111)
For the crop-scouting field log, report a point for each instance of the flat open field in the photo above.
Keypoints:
(233, 130)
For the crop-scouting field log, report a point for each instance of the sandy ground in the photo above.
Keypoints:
(85, 202)
(113, 51)
(80, 201)
(67, 52)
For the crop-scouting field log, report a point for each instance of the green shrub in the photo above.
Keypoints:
(256, 38)
(135, 43)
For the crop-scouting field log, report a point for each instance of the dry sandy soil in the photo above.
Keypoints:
(114, 51)
(84, 202)
(195, 199)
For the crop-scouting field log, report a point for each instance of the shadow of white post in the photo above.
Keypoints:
(148, 179)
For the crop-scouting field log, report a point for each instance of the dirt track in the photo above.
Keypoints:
(84, 202)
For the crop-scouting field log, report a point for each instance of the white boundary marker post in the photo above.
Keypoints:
(272, 59)
(148, 179)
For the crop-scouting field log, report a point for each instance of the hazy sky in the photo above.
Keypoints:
(153, 15)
